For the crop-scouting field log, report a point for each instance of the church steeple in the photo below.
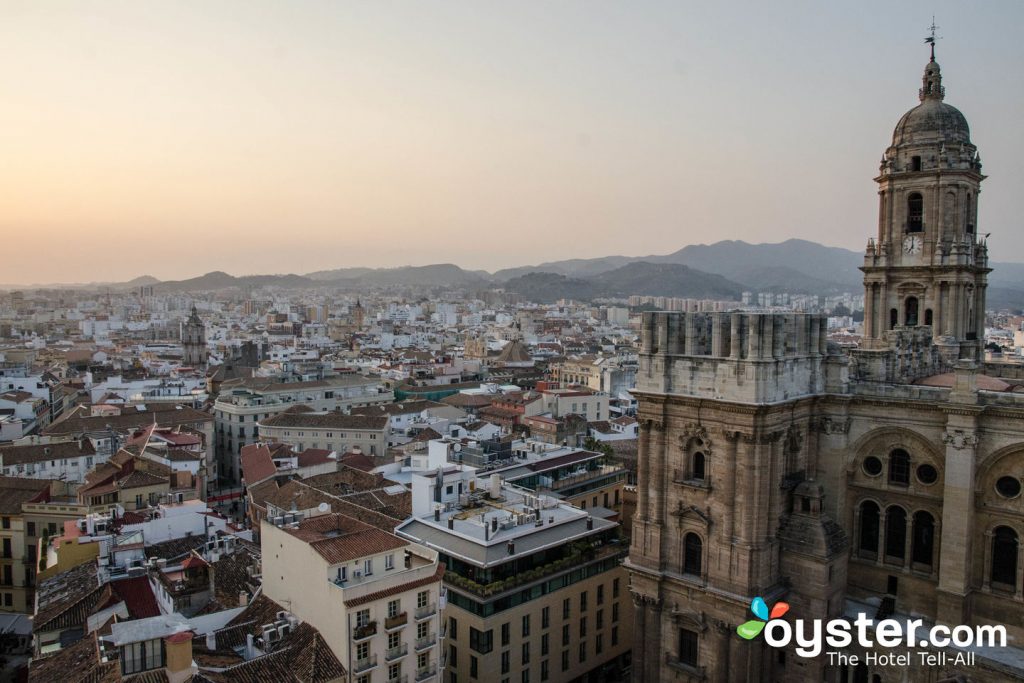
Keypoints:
(926, 267)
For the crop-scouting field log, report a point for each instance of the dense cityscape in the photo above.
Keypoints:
(586, 471)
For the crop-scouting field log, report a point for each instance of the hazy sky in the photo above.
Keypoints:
(175, 138)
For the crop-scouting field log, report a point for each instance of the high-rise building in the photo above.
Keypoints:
(881, 484)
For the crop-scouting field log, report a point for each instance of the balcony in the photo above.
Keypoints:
(426, 611)
(365, 631)
(396, 652)
(425, 672)
(365, 664)
(396, 621)
(426, 641)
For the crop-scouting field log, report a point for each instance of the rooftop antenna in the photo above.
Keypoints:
(930, 40)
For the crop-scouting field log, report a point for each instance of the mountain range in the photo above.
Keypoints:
(721, 270)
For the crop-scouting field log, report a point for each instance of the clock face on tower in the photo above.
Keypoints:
(912, 244)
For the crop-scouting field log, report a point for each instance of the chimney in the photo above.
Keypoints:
(511, 548)
(243, 600)
(437, 514)
(178, 653)
(590, 523)
(451, 522)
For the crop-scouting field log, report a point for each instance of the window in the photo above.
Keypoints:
(688, 647)
(565, 660)
(869, 526)
(923, 542)
(453, 657)
(599, 644)
(5, 522)
(915, 213)
(895, 532)
(583, 601)
(526, 625)
(872, 466)
(583, 627)
(368, 567)
(142, 656)
(583, 652)
(394, 608)
(506, 661)
(453, 628)
(1007, 487)
(1004, 556)
(565, 608)
(545, 617)
(525, 655)
(915, 163)
(389, 562)
(615, 588)
(615, 636)
(524, 677)
(394, 671)
(363, 650)
(544, 645)
(422, 598)
(910, 312)
(899, 467)
(544, 672)
(423, 629)
(600, 594)
(565, 634)
(600, 619)
(342, 574)
(506, 633)
(362, 617)
(615, 613)
(474, 669)
(693, 548)
(480, 641)
(698, 466)
(927, 474)
(394, 639)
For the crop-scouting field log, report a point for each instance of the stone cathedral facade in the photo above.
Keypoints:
(884, 481)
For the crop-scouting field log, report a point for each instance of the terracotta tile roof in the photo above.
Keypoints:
(338, 538)
(82, 658)
(428, 434)
(78, 420)
(67, 599)
(359, 461)
(314, 456)
(468, 400)
(16, 455)
(137, 595)
(257, 465)
(329, 420)
(17, 490)
(400, 408)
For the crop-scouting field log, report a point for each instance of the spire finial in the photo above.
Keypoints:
(930, 40)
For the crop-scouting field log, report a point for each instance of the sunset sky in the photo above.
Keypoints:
(176, 138)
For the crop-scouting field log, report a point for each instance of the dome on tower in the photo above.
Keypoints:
(932, 121)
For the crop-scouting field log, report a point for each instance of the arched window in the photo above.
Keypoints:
(915, 213)
(894, 318)
(923, 542)
(969, 224)
(698, 466)
(899, 467)
(910, 315)
(869, 525)
(693, 549)
(1004, 556)
(896, 532)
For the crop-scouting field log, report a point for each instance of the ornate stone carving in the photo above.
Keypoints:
(826, 425)
(960, 439)
(692, 512)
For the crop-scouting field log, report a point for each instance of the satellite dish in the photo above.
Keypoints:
(323, 508)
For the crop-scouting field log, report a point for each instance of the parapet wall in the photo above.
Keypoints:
(742, 357)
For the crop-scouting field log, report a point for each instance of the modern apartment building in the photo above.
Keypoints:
(329, 430)
(535, 590)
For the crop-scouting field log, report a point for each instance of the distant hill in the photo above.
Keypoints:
(221, 280)
(437, 275)
(641, 277)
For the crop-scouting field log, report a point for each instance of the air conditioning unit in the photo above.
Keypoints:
(358, 573)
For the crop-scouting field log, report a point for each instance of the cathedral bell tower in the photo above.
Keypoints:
(927, 266)
(193, 340)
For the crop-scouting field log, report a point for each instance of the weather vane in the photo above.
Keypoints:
(930, 40)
